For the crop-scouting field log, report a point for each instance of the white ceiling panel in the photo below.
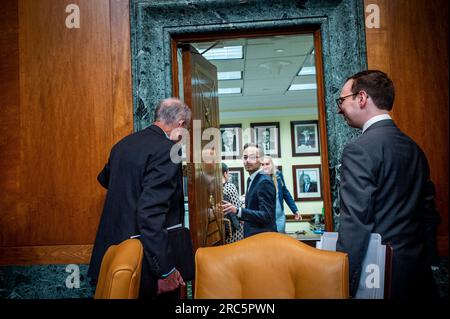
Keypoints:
(303, 79)
(229, 65)
(270, 65)
(231, 83)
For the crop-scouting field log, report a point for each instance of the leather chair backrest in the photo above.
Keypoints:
(120, 271)
(270, 265)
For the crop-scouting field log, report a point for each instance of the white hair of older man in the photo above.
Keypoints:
(171, 110)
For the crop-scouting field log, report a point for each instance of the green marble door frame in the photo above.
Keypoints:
(341, 23)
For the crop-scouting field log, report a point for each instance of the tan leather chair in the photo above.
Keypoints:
(120, 272)
(270, 265)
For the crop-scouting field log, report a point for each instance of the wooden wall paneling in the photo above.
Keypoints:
(121, 68)
(66, 99)
(66, 120)
(57, 254)
(412, 47)
(9, 117)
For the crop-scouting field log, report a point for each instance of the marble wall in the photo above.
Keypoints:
(43, 282)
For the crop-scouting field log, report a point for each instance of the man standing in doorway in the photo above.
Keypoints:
(385, 189)
(259, 212)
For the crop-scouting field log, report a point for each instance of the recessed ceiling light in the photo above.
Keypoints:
(307, 70)
(279, 50)
(230, 90)
(225, 53)
(300, 87)
(231, 75)
(274, 66)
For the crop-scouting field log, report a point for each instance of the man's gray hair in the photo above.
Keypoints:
(172, 110)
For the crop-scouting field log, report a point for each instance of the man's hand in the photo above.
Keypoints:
(297, 216)
(228, 208)
(170, 283)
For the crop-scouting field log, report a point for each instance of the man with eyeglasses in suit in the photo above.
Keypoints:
(386, 189)
(260, 198)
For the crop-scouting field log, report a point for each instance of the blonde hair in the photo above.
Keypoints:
(273, 171)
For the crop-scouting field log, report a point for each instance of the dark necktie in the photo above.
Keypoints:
(248, 184)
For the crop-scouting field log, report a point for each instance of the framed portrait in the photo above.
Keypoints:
(237, 178)
(231, 141)
(307, 182)
(268, 136)
(305, 138)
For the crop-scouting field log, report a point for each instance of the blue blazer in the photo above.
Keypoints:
(284, 194)
(259, 211)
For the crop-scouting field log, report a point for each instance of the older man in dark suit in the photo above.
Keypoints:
(259, 212)
(385, 189)
(145, 197)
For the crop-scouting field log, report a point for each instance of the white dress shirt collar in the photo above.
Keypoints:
(252, 177)
(375, 119)
(168, 137)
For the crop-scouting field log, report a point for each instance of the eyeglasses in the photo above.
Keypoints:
(250, 158)
(341, 99)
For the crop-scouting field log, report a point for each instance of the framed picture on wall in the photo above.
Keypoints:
(268, 136)
(237, 178)
(307, 182)
(231, 141)
(305, 138)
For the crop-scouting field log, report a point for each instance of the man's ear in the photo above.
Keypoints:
(362, 99)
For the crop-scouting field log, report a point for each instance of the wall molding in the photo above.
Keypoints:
(43, 255)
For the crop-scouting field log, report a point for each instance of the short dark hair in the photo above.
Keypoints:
(259, 147)
(377, 85)
(224, 168)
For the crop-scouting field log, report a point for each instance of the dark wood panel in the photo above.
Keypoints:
(205, 189)
(66, 121)
(34, 255)
(66, 99)
(326, 189)
(9, 116)
(412, 46)
(121, 68)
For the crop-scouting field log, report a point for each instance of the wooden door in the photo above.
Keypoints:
(204, 178)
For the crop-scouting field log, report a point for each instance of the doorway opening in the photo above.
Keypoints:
(268, 89)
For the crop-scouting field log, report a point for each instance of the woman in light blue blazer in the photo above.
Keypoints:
(283, 194)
